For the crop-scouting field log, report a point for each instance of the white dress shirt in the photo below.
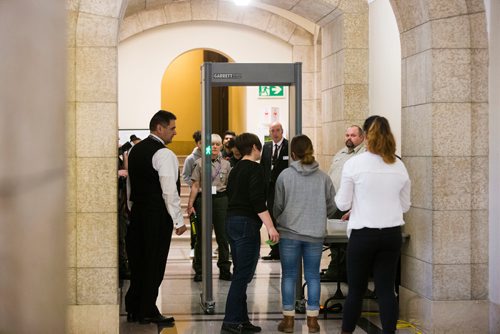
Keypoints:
(376, 192)
(279, 146)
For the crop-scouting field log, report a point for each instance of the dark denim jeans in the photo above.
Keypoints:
(244, 238)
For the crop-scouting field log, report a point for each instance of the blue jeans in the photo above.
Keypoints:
(243, 234)
(291, 252)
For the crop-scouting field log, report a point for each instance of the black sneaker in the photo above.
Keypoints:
(231, 329)
(249, 327)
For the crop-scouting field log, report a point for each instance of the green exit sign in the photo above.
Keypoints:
(271, 91)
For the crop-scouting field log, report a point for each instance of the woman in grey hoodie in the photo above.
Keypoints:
(303, 201)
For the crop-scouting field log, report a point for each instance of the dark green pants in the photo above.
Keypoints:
(219, 209)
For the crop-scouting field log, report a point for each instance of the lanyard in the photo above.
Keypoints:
(217, 170)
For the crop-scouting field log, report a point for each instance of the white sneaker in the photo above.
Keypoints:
(191, 254)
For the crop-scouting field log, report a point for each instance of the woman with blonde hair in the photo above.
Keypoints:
(304, 198)
(375, 186)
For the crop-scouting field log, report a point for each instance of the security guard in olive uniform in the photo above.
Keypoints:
(220, 173)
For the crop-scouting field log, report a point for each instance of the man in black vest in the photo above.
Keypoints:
(155, 210)
(274, 159)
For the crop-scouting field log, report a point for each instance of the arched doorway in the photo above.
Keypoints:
(181, 92)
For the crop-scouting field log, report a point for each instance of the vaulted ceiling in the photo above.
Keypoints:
(312, 10)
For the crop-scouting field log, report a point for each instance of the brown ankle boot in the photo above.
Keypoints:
(312, 324)
(286, 325)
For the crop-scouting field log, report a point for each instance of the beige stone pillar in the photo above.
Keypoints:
(344, 75)
(32, 178)
(92, 166)
(305, 51)
(494, 177)
(444, 146)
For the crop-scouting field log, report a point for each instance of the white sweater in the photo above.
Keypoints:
(376, 192)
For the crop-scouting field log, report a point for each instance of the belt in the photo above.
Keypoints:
(219, 194)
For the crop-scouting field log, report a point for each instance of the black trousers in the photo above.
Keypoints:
(378, 250)
(148, 243)
(275, 249)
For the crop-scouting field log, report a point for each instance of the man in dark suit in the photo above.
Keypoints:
(274, 159)
(155, 212)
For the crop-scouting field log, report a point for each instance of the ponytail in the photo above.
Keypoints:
(302, 149)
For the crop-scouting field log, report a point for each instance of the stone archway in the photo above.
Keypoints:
(91, 152)
(443, 46)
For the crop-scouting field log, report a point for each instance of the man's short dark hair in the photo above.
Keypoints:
(229, 132)
(197, 136)
(230, 143)
(162, 117)
(245, 142)
(134, 137)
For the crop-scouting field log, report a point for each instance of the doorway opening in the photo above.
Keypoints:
(181, 94)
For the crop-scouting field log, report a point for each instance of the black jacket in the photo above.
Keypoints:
(270, 176)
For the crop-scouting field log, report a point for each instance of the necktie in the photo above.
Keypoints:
(275, 154)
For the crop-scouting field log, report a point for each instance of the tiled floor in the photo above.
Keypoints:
(180, 297)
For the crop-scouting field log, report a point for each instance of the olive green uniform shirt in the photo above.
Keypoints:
(220, 173)
(339, 160)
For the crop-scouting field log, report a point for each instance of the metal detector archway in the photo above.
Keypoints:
(237, 74)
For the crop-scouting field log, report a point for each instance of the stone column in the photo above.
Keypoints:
(32, 178)
(92, 166)
(344, 75)
(306, 52)
(445, 148)
(494, 178)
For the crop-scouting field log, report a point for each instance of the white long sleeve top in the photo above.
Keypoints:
(377, 193)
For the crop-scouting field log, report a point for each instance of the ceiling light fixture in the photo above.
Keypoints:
(241, 2)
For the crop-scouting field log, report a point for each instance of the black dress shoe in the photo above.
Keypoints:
(159, 319)
(226, 276)
(270, 257)
(197, 278)
(249, 327)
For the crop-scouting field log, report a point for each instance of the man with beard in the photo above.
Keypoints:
(354, 145)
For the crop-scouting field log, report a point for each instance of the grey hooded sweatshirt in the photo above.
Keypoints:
(303, 200)
(187, 170)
